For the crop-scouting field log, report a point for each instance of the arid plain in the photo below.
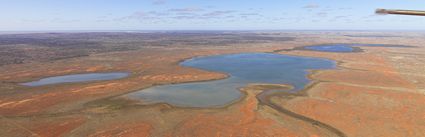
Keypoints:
(377, 91)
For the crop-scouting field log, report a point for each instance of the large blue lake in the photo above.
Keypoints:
(243, 69)
(76, 78)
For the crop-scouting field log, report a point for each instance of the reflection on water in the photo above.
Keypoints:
(243, 69)
(77, 78)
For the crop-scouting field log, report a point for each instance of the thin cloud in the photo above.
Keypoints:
(249, 14)
(141, 16)
(186, 10)
(322, 14)
(311, 6)
(339, 17)
(156, 13)
(159, 2)
(189, 13)
(219, 13)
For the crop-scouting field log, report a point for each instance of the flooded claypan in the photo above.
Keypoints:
(76, 78)
(346, 47)
(243, 69)
(331, 48)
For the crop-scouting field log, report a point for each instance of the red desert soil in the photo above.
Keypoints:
(43, 127)
(145, 68)
(359, 111)
(57, 128)
(365, 97)
(125, 130)
(370, 94)
(245, 121)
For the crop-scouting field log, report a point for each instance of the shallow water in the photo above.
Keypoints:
(331, 48)
(346, 47)
(76, 78)
(243, 69)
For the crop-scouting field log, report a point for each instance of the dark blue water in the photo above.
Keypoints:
(331, 48)
(243, 69)
(346, 47)
(77, 78)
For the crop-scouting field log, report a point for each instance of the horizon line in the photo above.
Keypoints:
(206, 30)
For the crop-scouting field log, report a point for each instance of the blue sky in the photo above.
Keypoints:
(32, 15)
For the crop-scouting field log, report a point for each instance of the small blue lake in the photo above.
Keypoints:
(76, 78)
(243, 69)
(345, 47)
(331, 48)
